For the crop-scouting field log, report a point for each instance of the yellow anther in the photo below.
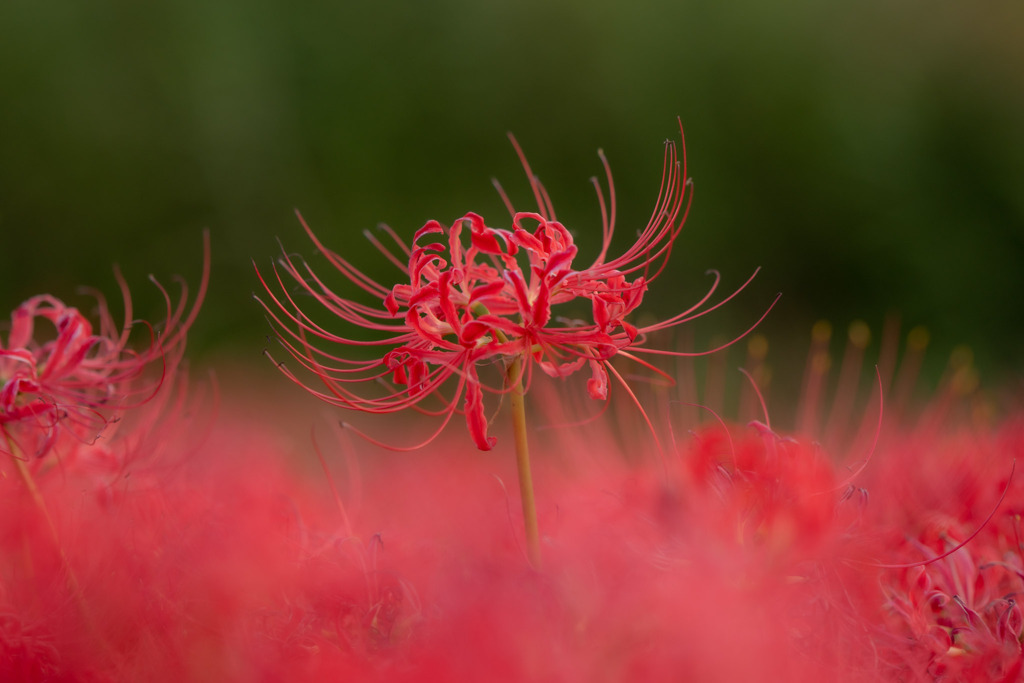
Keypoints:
(860, 334)
(757, 347)
(821, 332)
(918, 338)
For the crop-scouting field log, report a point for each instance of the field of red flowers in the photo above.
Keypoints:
(158, 526)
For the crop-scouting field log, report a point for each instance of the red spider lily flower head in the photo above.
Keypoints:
(472, 293)
(62, 376)
(952, 524)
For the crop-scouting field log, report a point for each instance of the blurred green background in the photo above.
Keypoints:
(869, 156)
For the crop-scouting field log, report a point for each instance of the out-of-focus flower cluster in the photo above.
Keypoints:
(239, 563)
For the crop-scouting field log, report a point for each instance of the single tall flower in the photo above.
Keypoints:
(472, 293)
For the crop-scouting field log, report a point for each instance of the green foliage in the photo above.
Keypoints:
(869, 156)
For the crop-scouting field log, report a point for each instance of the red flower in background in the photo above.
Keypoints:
(475, 293)
(60, 375)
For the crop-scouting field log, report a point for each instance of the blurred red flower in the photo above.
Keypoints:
(61, 376)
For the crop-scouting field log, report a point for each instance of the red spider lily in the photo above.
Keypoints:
(75, 379)
(959, 615)
(475, 293)
(954, 614)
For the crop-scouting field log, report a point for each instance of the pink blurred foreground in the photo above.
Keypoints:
(218, 551)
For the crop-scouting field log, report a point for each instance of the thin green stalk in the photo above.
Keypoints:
(518, 402)
(37, 499)
(29, 481)
(517, 399)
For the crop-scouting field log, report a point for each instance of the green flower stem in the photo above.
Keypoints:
(517, 399)
(37, 499)
(29, 481)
